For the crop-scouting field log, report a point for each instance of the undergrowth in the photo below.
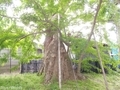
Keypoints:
(33, 82)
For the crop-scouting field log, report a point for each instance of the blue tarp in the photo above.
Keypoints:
(114, 52)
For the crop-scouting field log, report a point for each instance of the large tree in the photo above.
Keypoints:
(51, 18)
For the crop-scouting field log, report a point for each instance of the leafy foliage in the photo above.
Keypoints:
(90, 61)
(44, 15)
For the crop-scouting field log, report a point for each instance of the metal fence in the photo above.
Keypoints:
(31, 67)
(10, 67)
(13, 66)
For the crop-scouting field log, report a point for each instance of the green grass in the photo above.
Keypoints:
(21, 82)
(34, 82)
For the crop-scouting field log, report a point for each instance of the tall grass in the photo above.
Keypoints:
(33, 82)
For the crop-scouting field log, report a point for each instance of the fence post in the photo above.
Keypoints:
(10, 59)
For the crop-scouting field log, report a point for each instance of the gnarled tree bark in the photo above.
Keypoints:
(51, 60)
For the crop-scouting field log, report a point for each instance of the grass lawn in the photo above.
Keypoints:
(34, 82)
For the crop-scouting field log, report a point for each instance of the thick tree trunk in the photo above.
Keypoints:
(51, 60)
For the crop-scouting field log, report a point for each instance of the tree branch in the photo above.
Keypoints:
(89, 38)
(30, 35)
(8, 16)
(46, 18)
(41, 9)
(100, 59)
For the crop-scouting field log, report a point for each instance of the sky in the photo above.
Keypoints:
(85, 31)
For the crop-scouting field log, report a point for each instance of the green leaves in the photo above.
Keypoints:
(44, 14)
(5, 2)
(3, 58)
(86, 16)
(27, 17)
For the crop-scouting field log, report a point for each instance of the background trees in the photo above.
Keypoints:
(28, 20)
